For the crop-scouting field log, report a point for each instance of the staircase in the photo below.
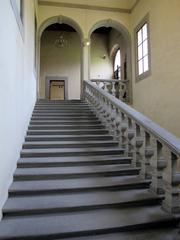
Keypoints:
(74, 181)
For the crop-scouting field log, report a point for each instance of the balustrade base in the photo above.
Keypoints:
(175, 210)
(158, 191)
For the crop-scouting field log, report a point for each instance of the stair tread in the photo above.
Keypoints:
(69, 136)
(79, 121)
(69, 143)
(68, 113)
(74, 169)
(78, 151)
(66, 130)
(77, 200)
(72, 159)
(76, 223)
(79, 131)
(67, 126)
(169, 233)
(80, 183)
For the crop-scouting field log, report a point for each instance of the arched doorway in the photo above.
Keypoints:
(60, 74)
(107, 37)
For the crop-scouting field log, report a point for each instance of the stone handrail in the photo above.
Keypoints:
(118, 88)
(153, 149)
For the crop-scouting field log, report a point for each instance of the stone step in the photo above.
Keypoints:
(73, 137)
(73, 161)
(61, 102)
(59, 126)
(73, 118)
(65, 152)
(73, 172)
(84, 223)
(88, 184)
(68, 132)
(77, 122)
(65, 114)
(60, 108)
(65, 110)
(68, 144)
(24, 206)
(167, 233)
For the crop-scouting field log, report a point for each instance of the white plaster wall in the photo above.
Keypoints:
(158, 96)
(101, 68)
(61, 61)
(18, 88)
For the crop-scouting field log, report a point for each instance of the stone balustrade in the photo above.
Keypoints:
(118, 88)
(153, 149)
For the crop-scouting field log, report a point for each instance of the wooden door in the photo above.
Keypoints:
(57, 90)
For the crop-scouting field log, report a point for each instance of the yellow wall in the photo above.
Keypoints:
(61, 62)
(126, 4)
(158, 96)
(101, 67)
(85, 18)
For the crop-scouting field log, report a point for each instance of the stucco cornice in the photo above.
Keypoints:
(87, 7)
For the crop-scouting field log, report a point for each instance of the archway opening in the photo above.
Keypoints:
(117, 65)
(60, 62)
(110, 54)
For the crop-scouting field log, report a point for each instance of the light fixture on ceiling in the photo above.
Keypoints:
(86, 42)
(60, 42)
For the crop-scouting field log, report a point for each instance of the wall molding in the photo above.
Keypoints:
(134, 6)
(18, 17)
(47, 85)
(83, 6)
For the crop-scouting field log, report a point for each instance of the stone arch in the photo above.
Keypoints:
(126, 35)
(114, 50)
(61, 20)
(114, 24)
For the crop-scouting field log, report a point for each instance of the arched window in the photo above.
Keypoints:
(117, 65)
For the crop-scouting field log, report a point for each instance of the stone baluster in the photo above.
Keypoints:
(123, 134)
(99, 107)
(101, 110)
(105, 86)
(98, 83)
(131, 134)
(139, 154)
(121, 91)
(145, 172)
(171, 182)
(113, 89)
(118, 121)
(158, 163)
(96, 103)
(113, 120)
(108, 114)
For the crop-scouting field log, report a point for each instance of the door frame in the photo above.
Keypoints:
(56, 78)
